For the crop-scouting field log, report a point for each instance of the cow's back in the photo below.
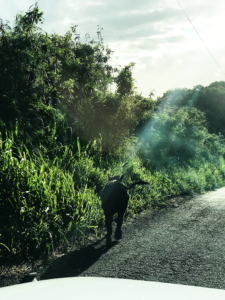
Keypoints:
(114, 196)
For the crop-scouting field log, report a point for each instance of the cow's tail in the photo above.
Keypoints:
(135, 183)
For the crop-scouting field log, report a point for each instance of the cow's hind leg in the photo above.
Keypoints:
(118, 232)
(121, 212)
(108, 223)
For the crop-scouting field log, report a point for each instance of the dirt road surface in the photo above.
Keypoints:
(183, 244)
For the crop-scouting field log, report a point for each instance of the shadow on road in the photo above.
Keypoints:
(74, 263)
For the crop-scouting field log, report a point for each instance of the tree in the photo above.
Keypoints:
(210, 100)
(212, 103)
(125, 80)
(50, 77)
(174, 136)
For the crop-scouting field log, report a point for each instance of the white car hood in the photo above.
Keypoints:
(97, 288)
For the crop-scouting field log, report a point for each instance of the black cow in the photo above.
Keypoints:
(115, 199)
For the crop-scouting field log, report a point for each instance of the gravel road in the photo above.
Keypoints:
(183, 244)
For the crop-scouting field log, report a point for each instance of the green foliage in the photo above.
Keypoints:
(62, 132)
(43, 72)
(175, 136)
(125, 81)
(179, 98)
(43, 202)
(210, 100)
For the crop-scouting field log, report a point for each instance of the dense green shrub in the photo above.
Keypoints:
(210, 100)
(174, 137)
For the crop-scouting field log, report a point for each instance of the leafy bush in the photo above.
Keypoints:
(174, 136)
(209, 100)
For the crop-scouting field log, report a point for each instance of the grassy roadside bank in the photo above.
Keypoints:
(47, 204)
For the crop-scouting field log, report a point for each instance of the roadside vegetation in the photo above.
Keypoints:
(62, 131)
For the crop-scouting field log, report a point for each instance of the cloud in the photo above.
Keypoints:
(155, 34)
(171, 70)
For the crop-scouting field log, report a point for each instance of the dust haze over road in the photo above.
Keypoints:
(183, 245)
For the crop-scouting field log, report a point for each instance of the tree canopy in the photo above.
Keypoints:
(44, 76)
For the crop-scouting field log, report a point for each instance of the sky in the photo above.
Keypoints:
(154, 34)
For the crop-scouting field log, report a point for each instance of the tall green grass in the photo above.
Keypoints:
(43, 202)
(50, 197)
